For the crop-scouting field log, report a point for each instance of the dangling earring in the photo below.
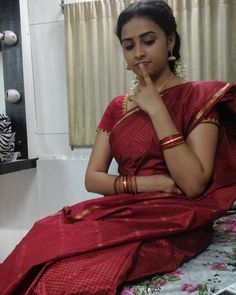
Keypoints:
(171, 57)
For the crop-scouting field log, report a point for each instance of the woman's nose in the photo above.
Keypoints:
(139, 52)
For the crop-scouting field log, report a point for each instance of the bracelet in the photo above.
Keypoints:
(115, 185)
(118, 185)
(171, 141)
(125, 184)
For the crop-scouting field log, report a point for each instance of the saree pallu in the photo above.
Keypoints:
(95, 246)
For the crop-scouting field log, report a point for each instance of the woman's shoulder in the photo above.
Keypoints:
(118, 104)
(199, 90)
(117, 100)
(210, 86)
(193, 95)
(112, 114)
(200, 85)
(209, 90)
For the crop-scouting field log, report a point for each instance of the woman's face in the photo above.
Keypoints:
(143, 41)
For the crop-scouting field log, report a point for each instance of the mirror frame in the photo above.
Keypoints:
(13, 73)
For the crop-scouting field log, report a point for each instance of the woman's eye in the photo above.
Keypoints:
(149, 42)
(128, 47)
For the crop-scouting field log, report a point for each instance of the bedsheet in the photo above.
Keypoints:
(206, 274)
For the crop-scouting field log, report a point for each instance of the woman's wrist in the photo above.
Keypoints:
(155, 107)
(125, 184)
(141, 184)
(158, 109)
(153, 183)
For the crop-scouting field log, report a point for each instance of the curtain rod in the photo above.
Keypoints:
(63, 4)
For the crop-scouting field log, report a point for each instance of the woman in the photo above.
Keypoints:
(177, 167)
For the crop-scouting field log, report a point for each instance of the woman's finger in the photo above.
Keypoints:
(145, 74)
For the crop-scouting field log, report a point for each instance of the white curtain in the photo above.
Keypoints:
(96, 68)
(207, 30)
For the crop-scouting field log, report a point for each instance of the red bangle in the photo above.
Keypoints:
(115, 185)
(171, 141)
(125, 184)
(167, 138)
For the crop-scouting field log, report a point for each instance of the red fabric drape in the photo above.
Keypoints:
(95, 246)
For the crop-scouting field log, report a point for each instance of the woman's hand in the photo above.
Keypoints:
(147, 95)
(158, 182)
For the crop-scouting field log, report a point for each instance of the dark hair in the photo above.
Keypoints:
(159, 12)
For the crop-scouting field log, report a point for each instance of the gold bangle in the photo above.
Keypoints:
(124, 182)
(115, 185)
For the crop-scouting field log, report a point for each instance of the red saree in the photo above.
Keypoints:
(95, 246)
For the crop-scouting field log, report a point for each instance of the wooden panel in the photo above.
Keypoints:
(17, 165)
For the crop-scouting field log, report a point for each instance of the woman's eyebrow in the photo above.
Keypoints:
(140, 36)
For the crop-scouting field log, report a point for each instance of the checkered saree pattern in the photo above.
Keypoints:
(95, 246)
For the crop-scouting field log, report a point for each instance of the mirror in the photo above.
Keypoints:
(11, 69)
(2, 92)
(9, 38)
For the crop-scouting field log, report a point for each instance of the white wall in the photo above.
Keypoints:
(58, 179)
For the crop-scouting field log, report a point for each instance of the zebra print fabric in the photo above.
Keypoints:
(7, 139)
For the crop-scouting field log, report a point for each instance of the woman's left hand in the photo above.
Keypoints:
(147, 95)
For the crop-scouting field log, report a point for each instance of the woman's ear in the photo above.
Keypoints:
(171, 41)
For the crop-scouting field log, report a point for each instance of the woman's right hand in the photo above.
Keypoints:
(160, 182)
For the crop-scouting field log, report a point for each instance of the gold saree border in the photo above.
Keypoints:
(138, 197)
(85, 212)
(211, 121)
(124, 110)
(100, 130)
(128, 113)
(211, 101)
(125, 103)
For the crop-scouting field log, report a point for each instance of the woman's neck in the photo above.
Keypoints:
(167, 79)
(161, 80)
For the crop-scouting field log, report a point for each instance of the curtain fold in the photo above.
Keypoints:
(96, 68)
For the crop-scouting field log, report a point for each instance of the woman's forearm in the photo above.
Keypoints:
(183, 164)
(103, 183)
(186, 170)
(100, 183)
(153, 183)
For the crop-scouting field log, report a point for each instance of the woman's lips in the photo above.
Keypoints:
(142, 62)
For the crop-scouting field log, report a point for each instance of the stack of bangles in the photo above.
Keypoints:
(125, 184)
(171, 141)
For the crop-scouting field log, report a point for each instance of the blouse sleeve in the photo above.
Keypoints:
(106, 122)
(112, 114)
(213, 117)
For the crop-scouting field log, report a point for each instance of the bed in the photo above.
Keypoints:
(208, 273)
